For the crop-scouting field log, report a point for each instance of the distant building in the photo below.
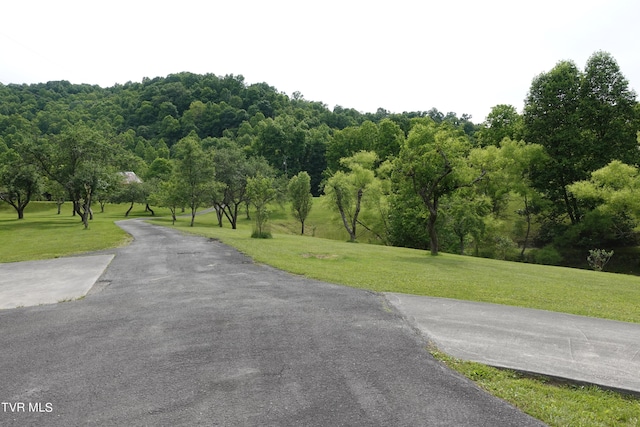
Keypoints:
(130, 177)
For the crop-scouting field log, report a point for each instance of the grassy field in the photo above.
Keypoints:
(388, 269)
(43, 234)
(556, 404)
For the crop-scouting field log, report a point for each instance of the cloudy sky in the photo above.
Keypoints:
(403, 55)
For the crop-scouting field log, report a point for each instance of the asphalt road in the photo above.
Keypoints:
(182, 330)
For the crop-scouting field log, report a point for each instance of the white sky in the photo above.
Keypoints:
(404, 55)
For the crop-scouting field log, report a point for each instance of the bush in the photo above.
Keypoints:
(598, 258)
(505, 248)
(256, 234)
(548, 255)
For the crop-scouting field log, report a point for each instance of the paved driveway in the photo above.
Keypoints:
(575, 348)
(186, 331)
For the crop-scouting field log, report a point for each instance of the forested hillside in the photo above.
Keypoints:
(556, 180)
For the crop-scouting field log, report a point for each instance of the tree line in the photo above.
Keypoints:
(559, 176)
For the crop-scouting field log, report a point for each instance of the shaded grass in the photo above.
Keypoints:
(44, 234)
(321, 222)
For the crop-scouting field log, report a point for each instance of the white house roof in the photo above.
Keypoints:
(130, 177)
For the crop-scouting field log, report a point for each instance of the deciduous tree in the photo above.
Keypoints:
(19, 181)
(608, 119)
(433, 162)
(551, 117)
(300, 195)
(260, 192)
(195, 172)
(347, 191)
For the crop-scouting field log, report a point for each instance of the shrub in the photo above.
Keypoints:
(598, 258)
(548, 255)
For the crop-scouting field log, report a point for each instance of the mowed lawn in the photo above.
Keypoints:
(391, 269)
(44, 234)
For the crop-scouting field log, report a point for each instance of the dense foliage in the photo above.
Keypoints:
(515, 187)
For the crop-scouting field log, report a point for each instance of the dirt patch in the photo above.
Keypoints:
(320, 256)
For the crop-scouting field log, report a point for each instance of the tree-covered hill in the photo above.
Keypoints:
(149, 117)
(546, 186)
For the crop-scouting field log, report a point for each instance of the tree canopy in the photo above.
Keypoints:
(425, 179)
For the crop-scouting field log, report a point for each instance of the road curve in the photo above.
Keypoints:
(187, 331)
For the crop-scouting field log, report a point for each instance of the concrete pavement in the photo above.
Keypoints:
(577, 348)
(24, 284)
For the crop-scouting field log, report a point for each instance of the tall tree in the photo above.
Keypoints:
(347, 191)
(260, 192)
(608, 119)
(19, 181)
(81, 159)
(195, 172)
(300, 195)
(169, 194)
(551, 117)
(502, 122)
(613, 191)
(232, 169)
(389, 140)
(584, 120)
(509, 169)
(464, 212)
(433, 162)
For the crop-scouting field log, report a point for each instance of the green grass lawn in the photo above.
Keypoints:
(555, 403)
(43, 234)
(389, 269)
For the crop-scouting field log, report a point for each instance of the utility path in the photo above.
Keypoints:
(187, 331)
(576, 348)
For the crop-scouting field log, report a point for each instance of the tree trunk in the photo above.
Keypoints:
(235, 216)
(433, 235)
(226, 210)
(356, 213)
(352, 232)
(126, 214)
(219, 214)
(302, 232)
(148, 208)
(193, 215)
(432, 205)
(527, 213)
